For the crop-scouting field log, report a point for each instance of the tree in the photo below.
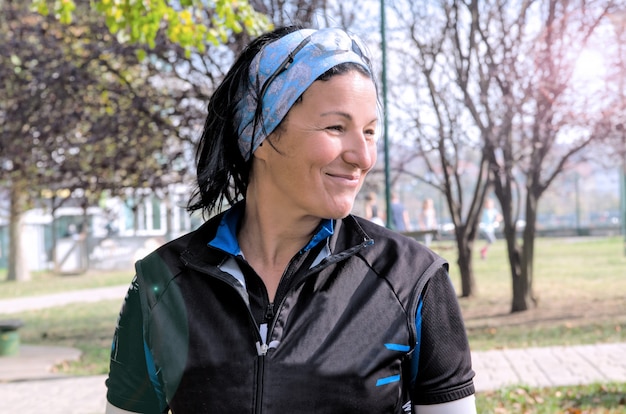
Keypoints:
(549, 118)
(433, 114)
(504, 73)
(74, 97)
(109, 112)
(191, 24)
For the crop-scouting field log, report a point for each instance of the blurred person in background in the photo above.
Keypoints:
(490, 220)
(428, 219)
(399, 215)
(372, 212)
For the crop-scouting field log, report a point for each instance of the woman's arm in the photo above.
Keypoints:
(444, 372)
(111, 409)
(129, 383)
(465, 405)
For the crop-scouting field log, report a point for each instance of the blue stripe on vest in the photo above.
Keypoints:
(418, 341)
(154, 376)
(398, 347)
(388, 380)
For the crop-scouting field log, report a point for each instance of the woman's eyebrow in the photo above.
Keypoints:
(345, 115)
(340, 113)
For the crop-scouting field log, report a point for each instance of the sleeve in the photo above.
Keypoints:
(444, 369)
(129, 386)
(465, 405)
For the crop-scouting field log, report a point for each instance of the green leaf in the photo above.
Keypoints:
(139, 21)
(40, 6)
(16, 60)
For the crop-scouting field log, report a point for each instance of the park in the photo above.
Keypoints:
(519, 105)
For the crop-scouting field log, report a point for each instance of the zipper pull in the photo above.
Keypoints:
(269, 312)
(261, 349)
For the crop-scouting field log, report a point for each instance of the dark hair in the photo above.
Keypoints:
(222, 172)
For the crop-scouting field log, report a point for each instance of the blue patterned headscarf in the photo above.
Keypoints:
(282, 71)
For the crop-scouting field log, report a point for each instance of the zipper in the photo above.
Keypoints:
(271, 309)
(269, 312)
(259, 382)
(262, 346)
(238, 287)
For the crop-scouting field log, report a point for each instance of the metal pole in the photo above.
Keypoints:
(623, 192)
(385, 122)
(577, 202)
(623, 172)
(619, 25)
(618, 19)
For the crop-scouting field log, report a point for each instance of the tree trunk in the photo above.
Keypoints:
(84, 238)
(465, 265)
(169, 216)
(522, 265)
(17, 264)
(521, 290)
(54, 225)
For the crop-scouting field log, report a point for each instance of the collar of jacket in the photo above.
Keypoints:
(226, 235)
(347, 238)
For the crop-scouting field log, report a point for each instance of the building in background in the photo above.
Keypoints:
(107, 236)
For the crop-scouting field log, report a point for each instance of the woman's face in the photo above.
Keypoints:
(315, 163)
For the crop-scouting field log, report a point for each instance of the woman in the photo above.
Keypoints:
(371, 209)
(285, 303)
(489, 222)
(428, 219)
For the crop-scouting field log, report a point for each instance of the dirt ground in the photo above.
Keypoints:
(569, 312)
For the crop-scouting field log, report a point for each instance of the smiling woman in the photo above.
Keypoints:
(285, 302)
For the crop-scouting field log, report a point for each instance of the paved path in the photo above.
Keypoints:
(74, 395)
(16, 305)
(28, 385)
(550, 366)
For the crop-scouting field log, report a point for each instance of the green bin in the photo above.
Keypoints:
(10, 337)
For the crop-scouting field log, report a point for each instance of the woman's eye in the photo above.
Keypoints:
(370, 133)
(338, 128)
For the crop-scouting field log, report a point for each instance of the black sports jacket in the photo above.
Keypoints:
(374, 327)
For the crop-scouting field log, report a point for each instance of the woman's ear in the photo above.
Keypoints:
(268, 144)
(261, 151)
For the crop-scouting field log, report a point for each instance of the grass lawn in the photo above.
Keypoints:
(588, 399)
(580, 288)
(580, 285)
(45, 282)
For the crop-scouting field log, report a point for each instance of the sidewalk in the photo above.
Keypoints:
(550, 366)
(28, 386)
(9, 306)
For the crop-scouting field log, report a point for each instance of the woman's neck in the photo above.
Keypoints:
(269, 236)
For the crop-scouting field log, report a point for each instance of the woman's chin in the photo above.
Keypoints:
(341, 211)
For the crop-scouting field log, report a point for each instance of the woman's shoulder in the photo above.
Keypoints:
(389, 244)
(405, 264)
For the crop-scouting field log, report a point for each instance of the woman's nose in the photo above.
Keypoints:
(360, 150)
